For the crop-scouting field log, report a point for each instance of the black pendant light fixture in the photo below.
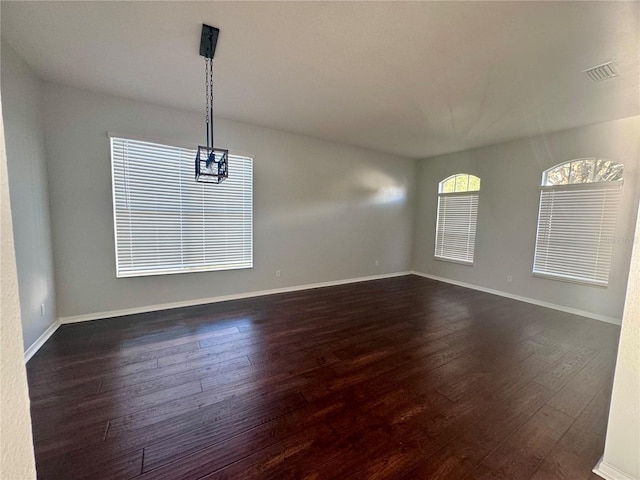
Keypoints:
(211, 163)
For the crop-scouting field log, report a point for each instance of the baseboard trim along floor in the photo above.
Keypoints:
(555, 306)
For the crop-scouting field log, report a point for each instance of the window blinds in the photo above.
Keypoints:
(456, 227)
(576, 228)
(165, 222)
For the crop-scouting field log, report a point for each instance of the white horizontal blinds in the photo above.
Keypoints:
(166, 222)
(576, 228)
(456, 226)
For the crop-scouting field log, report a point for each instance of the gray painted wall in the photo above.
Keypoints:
(21, 108)
(508, 213)
(322, 211)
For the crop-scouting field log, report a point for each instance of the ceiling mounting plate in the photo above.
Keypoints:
(208, 41)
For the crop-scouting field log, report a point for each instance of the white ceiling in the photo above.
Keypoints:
(412, 78)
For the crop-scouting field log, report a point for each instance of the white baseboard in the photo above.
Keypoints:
(562, 308)
(35, 346)
(608, 472)
(238, 296)
(223, 298)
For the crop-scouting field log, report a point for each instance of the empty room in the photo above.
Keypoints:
(320, 240)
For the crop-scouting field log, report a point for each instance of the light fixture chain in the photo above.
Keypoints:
(211, 97)
(206, 87)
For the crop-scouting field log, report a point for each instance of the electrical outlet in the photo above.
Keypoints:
(509, 278)
(277, 273)
(42, 310)
(377, 263)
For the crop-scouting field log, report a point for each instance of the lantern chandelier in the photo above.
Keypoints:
(211, 163)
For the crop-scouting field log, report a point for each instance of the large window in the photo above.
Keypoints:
(576, 223)
(457, 218)
(165, 222)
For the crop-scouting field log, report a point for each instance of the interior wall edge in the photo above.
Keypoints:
(534, 301)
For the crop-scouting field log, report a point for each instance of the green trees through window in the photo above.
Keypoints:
(583, 170)
(460, 182)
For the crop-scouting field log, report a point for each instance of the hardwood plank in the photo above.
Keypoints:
(218, 455)
(583, 387)
(124, 466)
(202, 368)
(581, 446)
(49, 443)
(269, 462)
(166, 451)
(101, 408)
(569, 366)
(72, 394)
(458, 458)
(72, 378)
(522, 452)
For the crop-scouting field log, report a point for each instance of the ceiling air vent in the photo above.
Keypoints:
(602, 72)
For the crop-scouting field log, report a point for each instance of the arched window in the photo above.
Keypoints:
(584, 170)
(577, 219)
(457, 218)
(458, 183)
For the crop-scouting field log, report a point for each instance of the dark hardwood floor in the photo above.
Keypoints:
(403, 378)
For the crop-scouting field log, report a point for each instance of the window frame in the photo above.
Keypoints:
(463, 193)
(190, 154)
(615, 186)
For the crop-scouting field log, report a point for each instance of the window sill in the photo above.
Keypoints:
(453, 260)
(148, 273)
(560, 278)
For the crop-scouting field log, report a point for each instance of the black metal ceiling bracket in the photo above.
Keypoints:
(208, 41)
